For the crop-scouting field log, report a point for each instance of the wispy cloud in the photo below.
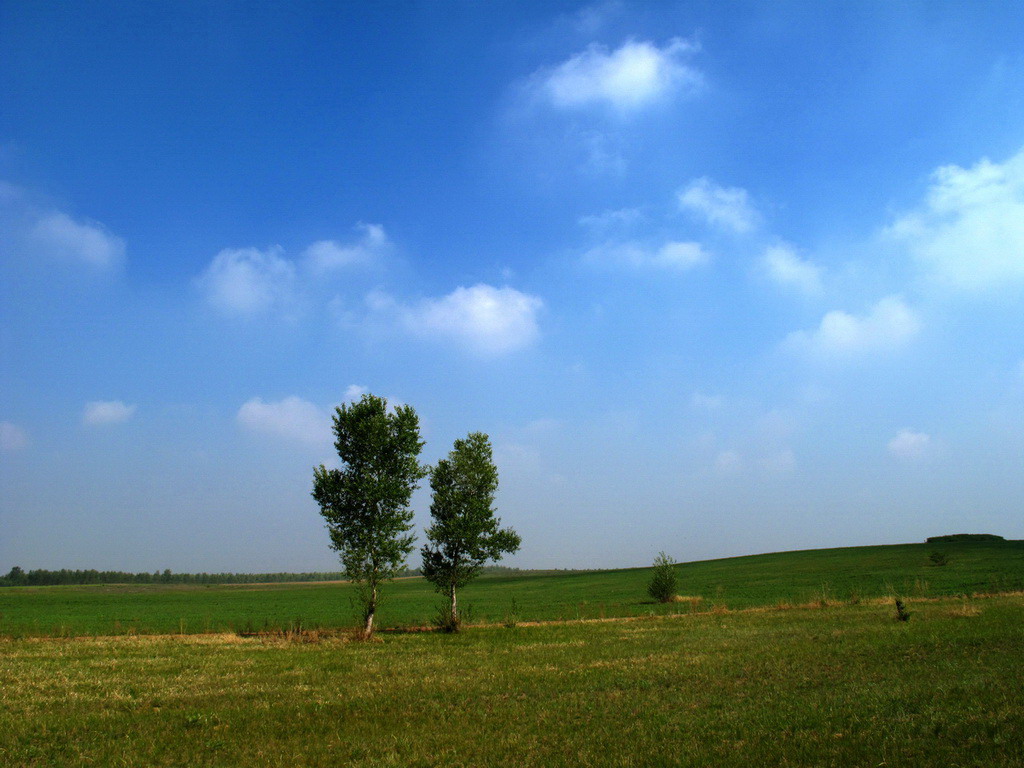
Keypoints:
(295, 419)
(247, 281)
(619, 218)
(672, 256)
(889, 324)
(292, 418)
(969, 230)
(87, 242)
(627, 79)
(327, 255)
(592, 18)
(46, 235)
(102, 412)
(354, 391)
(908, 444)
(12, 437)
(782, 265)
(724, 207)
(484, 319)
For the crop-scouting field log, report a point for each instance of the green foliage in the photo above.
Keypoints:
(41, 577)
(663, 584)
(512, 615)
(15, 578)
(902, 614)
(795, 578)
(464, 533)
(964, 538)
(366, 502)
(938, 558)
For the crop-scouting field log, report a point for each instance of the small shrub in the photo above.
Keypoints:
(447, 620)
(823, 598)
(662, 586)
(902, 614)
(938, 558)
(512, 615)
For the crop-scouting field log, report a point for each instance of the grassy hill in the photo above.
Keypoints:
(846, 575)
(846, 686)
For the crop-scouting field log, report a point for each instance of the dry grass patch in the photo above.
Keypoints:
(693, 601)
(965, 609)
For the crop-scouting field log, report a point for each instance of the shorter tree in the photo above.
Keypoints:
(465, 534)
(16, 578)
(662, 586)
(366, 502)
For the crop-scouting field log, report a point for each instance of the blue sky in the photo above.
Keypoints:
(716, 278)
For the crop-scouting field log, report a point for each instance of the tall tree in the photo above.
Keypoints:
(366, 502)
(465, 534)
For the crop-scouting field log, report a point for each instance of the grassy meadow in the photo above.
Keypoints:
(845, 685)
(811, 576)
(791, 659)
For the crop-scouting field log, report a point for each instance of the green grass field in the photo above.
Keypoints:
(836, 686)
(839, 575)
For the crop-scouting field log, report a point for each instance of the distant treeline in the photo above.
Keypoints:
(963, 537)
(39, 577)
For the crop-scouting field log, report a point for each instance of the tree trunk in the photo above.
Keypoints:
(455, 614)
(371, 609)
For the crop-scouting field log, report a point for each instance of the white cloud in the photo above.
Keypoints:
(908, 444)
(784, 267)
(87, 242)
(354, 392)
(889, 325)
(611, 219)
(601, 156)
(969, 231)
(101, 412)
(680, 256)
(627, 79)
(591, 18)
(326, 255)
(291, 418)
(726, 207)
(247, 281)
(486, 319)
(12, 437)
(675, 256)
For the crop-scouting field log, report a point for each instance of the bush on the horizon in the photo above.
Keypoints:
(963, 537)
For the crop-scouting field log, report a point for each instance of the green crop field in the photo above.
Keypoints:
(811, 576)
(835, 686)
